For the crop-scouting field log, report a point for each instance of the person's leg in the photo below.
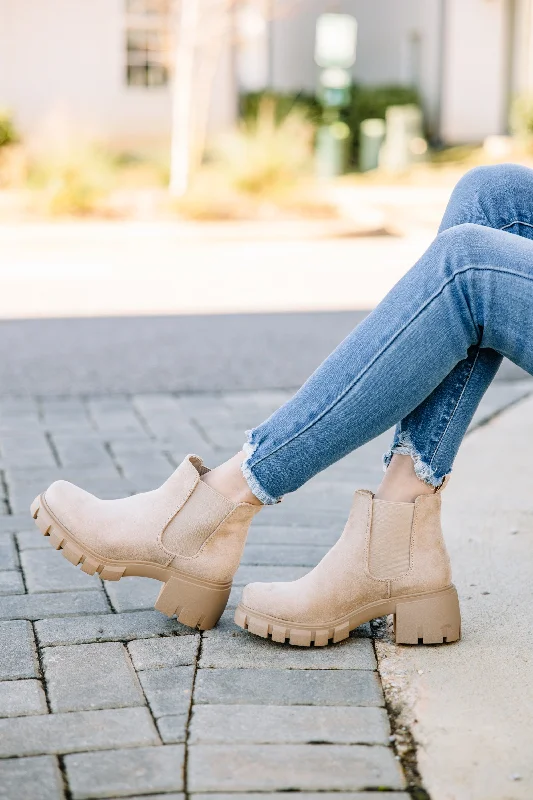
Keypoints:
(498, 197)
(473, 288)
(428, 438)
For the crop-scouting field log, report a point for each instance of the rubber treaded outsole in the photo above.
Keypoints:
(196, 603)
(428, 618)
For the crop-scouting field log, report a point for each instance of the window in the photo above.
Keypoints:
(147, 42)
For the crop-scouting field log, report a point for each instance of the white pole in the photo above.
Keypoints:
(182, 96)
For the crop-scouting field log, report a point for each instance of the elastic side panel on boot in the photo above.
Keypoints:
(195, 522)
(390, 539)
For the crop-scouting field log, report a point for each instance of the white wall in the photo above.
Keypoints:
(62, 72)
(476, 69)
(64, 59)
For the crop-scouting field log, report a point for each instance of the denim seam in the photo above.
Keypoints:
(451, 416)
(332, 405)
(516, 222)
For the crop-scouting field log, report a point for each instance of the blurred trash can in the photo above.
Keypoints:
(332, 149)
(404, 138)
(371, 138)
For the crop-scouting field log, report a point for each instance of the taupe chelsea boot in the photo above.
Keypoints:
(184, 533)
(390, 559)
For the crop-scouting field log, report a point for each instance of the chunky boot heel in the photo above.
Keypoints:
(183, 533)
(197, 605)
(430, 619)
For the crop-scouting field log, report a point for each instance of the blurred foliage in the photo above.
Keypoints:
(262, 169)
(282, 104)
(521, 116)
(367, 102)
(267, 152)
(73, 181)
(8, 133)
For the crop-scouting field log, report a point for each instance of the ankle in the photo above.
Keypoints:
(230, 482)
(400, 483)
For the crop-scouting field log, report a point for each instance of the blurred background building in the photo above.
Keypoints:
(105, 66)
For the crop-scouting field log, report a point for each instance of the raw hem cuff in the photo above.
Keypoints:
(255, 487)
(404, 446)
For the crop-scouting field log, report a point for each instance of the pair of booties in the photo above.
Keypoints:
(390, 559)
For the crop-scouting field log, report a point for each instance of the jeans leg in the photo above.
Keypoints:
(472, 287)
(499, 197)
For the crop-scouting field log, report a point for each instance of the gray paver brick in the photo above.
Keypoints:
(171, 796)
(107, 628)
(54, 604)
(8, 553)
(48, 571)
(21, 449)
(288, 724)
(288, 687)
(300, 514)
(17, 650)
(84, 451)
(15, 523)
(287, 555)
(172, 729)
(168, 690)
(133, 594)
(115, 415)
(35, 778)
(291, 535)
(239, 649)
(122, 772)
(300, 796)
(64, 413)
(21, 698)
(90, 676)
(32, 540)
(173, 651)
(11, 583)
(249, 574)
(78, 730)
(243, 768)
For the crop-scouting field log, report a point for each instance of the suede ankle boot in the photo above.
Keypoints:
(390, 559)
(184, 533)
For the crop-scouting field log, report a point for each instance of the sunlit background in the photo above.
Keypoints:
(160, 157)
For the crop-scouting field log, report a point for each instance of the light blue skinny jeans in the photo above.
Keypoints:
(425, 355)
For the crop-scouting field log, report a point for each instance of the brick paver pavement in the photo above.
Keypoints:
(103, 697)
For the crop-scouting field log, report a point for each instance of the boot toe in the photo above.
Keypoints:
(281, 600)
(259, 597)
(65, 501)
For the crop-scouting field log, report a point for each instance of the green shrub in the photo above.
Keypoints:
(8, 133)
(521, 116)
(366, 102)
(268, 153)
(283, 104)
(73, 181)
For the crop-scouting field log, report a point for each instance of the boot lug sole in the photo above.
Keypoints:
(427, 618)
(196, 603)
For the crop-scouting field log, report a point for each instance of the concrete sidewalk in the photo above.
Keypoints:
(102, 697)
(470, 705)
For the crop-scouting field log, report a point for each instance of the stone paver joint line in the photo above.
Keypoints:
(103, 697)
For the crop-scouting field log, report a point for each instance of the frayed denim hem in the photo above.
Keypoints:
(404, 446)
(255, 487)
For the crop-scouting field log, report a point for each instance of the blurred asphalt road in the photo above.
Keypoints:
(171, 353)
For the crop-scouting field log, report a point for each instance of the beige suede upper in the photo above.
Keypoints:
(184, 523)
(386, 550)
